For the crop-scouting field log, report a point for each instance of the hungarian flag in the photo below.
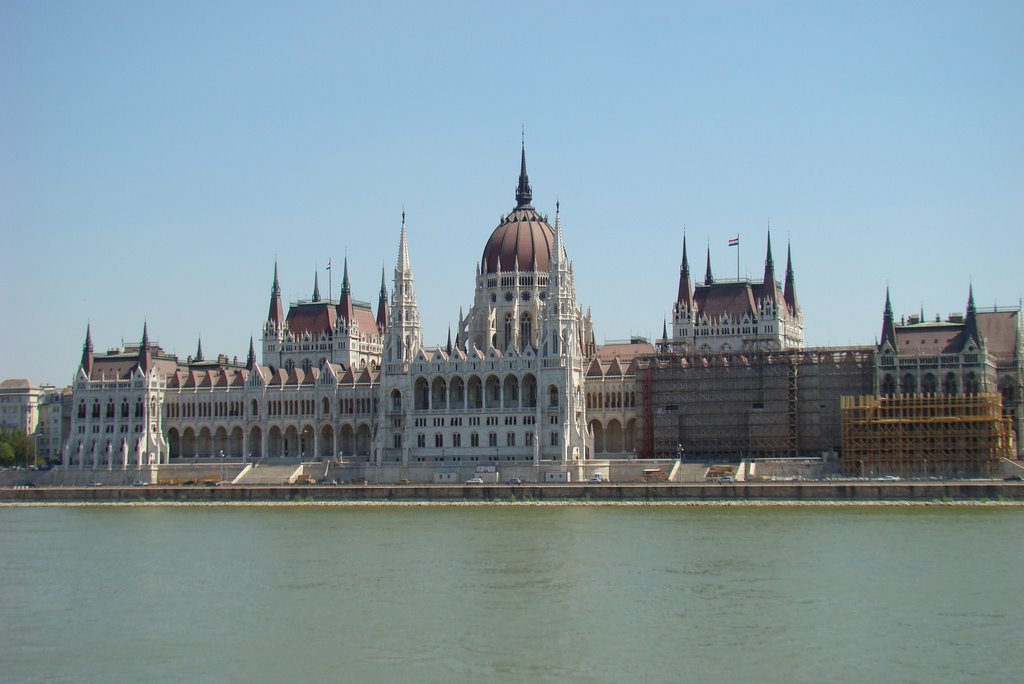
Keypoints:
(734, 242)
(328, 264)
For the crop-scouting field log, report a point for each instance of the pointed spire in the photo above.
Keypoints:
(316, 286)
(199, 350)
(144, 354)
(276, 314)
(559, 250)
(250, 361)
(769, 272)
(345, 309)
(685, 293)
(524, 193)
(403, 248)
(87, 352)
(449, 346)
(664, 329)
(789, 294)
(888, 327)
(382, 303)
(708, 278)
(971, 320)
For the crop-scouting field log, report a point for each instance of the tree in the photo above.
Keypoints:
(6, 454)
(21, 446)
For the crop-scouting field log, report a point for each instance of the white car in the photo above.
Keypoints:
(475, 480)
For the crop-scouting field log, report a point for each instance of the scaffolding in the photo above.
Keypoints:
(922, 435)
(748, 404)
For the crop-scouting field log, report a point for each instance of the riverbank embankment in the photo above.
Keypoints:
(832, 491)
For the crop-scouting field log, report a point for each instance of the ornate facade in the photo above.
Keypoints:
(972, 353)
(735, 315)
(338, 381)
(510, 388)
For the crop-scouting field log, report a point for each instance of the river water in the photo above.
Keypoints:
(494, 593)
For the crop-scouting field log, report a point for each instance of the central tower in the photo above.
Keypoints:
(511, 278)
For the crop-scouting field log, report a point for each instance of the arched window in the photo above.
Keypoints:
(255, 407)
(971, 385)
(949, 384)
(525, 331)
(306, 365)
(326, 406)
(508, 329)
(96, 408)
(928, 384)
(396, 400)
(124, 408)
(110, 408)
(1007, 391)
(553, 396)
(888, 386)
(909, 384)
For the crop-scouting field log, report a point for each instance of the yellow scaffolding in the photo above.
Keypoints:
(921, 435)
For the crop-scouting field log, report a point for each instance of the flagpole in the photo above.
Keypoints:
(737, 256)
(330, 286)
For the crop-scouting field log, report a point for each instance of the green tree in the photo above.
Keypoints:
(6, 454)
(21, 446)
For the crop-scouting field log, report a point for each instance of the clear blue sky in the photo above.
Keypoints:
(155, 158)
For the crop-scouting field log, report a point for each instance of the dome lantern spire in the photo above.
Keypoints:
(524, 193)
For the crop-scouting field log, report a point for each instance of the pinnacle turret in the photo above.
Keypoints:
(199, 350)
(250, 361)
(87, 351)
(382, 303)
(345, 310)
(144, 354)
(316, 287)
(971, 320)
(789, 294)
(888, 327)
(685, 293)
(769, 272)
(276, 314)
(708, 278)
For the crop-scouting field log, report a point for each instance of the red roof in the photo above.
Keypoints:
(523, 236)
(623, 350)
(998, 329)
(318, 318)
(313, 318)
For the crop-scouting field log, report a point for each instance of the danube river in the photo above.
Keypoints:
(499, 593)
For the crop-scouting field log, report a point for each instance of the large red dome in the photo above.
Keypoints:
(523, 238)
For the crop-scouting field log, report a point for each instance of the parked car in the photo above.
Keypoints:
(475, 480)
(597, 478)
(889, 478)
(513, 481)
(727, 479)
(1014, 478)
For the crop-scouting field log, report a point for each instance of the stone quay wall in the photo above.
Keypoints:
(991, 490)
